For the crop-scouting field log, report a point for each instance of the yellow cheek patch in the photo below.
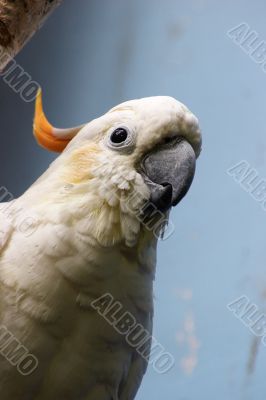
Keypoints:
(81, 162)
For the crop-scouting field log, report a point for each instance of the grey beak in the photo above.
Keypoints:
(168, 171)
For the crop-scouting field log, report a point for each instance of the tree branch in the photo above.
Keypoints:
(19, 20)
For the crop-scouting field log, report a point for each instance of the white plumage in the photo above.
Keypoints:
(86, 240)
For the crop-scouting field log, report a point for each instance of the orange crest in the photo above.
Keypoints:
(47, 136)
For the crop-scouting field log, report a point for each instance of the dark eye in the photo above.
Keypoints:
(119, 136)
(122, 138)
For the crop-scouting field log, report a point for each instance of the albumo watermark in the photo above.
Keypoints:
(248, 179)
(16, 354)
(250, 315)
(249, 41)
(18, 79)
(135, 334)
(24, 222)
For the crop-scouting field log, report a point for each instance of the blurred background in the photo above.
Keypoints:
(91, 55)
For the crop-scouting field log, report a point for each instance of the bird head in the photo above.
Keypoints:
(140, 152)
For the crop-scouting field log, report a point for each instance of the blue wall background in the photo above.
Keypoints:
(93, 54)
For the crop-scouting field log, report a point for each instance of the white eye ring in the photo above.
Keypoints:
(121, 138)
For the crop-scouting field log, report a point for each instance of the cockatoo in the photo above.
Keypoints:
(89, 237)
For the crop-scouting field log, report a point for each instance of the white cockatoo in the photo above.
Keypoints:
(80, 243)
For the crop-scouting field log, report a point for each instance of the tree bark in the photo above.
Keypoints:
(19, 20)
